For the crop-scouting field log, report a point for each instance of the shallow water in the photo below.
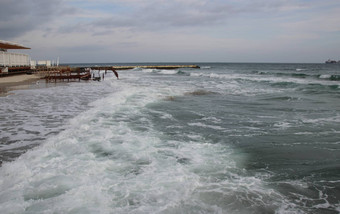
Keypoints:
(226, 138)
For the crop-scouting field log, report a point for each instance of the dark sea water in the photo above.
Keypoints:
(226, 138)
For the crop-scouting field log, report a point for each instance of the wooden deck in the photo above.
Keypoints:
(55, 74)
(65, 73)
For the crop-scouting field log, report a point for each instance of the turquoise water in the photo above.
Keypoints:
(226, 138)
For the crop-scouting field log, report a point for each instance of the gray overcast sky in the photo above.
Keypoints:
(96, 31)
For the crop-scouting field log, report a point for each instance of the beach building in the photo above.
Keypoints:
(11, 62)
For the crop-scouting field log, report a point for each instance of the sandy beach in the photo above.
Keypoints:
(16, 82)
(18, 78)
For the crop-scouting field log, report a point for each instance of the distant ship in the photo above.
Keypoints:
(329, 61)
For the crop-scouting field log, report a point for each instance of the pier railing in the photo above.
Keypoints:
(54, 74)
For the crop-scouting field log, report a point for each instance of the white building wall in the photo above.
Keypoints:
(14, 59)
(46, 63)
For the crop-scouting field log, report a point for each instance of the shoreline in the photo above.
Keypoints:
(16, 82)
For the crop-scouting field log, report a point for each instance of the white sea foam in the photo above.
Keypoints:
(160, 71)
(148, 70)
(325, 76)
(168, 72)
(162, 115)
(196, 74)
(112, 159)
(212, 119)
(232, 84)
(283, 125)
(99, 164)
(269, 79)
(206, 126)
(31, 116)
(322, 120)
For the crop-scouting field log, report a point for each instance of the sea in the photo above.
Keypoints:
(225, 138)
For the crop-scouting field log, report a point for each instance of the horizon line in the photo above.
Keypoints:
(66, 63)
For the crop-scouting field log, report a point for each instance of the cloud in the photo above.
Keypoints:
(135, 30)
(103, 16)
(20, 16)
(156, 15)
(163, 15)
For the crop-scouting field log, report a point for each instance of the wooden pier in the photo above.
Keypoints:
(55, 74)
(169, 67)
(65, 73)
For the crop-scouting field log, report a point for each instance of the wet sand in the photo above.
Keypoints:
(17, 82)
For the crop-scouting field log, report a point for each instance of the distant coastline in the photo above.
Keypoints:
(330, 61)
